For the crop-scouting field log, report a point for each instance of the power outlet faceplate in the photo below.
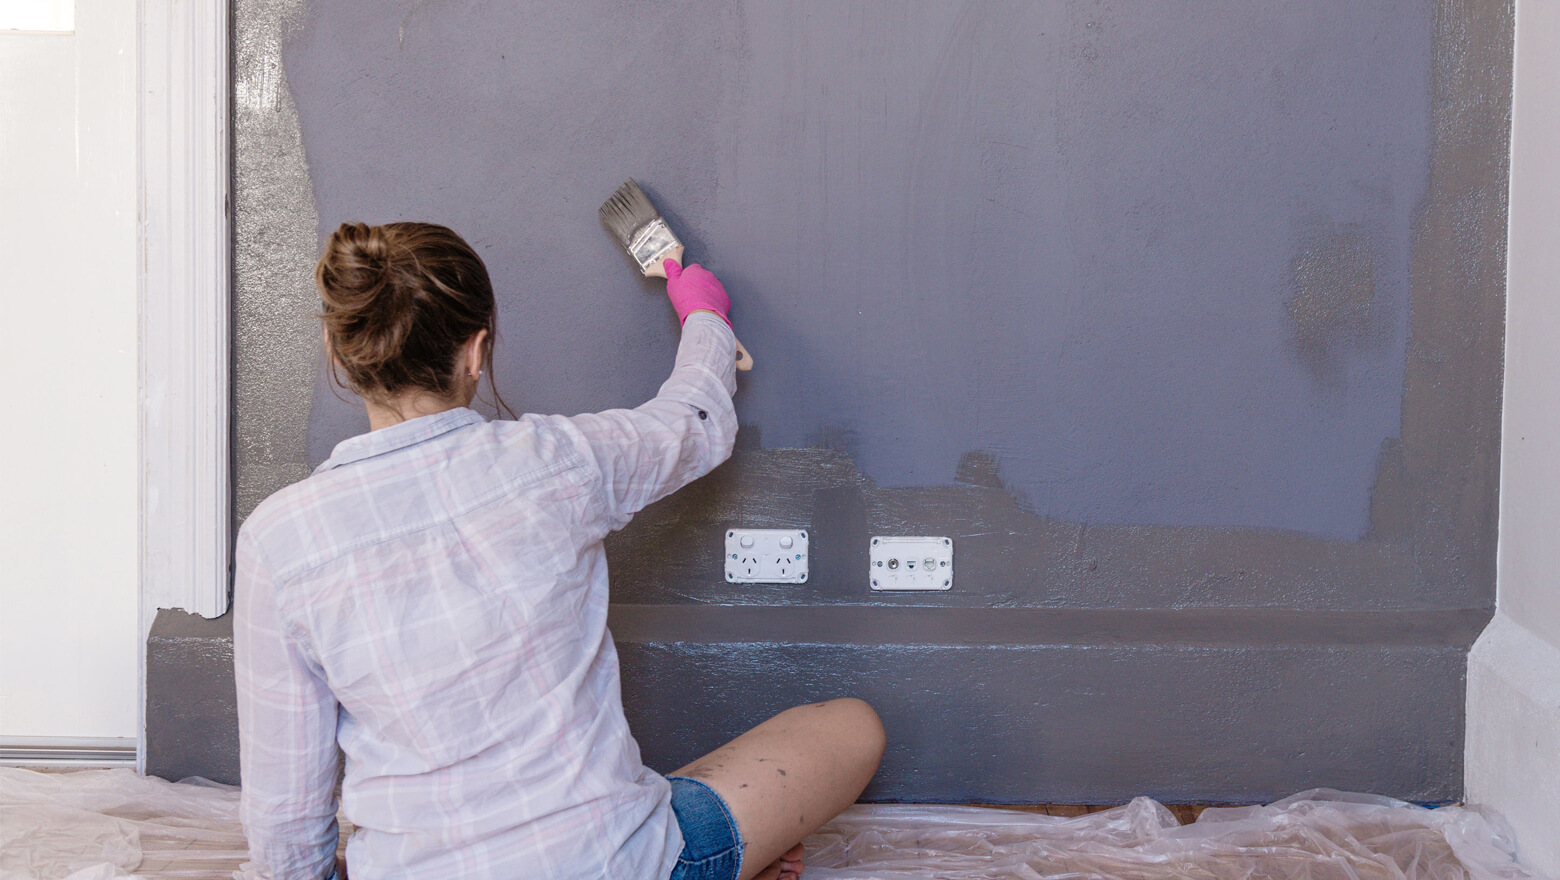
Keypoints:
(906, 563)
(766, 556)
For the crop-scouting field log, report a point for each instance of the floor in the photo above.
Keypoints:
(99, 824)
(1186, 814)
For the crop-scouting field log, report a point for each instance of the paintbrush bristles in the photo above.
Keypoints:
(626, 211)
(631, 218)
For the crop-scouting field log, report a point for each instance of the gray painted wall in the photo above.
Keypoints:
(1155, 261)
(1157, 309)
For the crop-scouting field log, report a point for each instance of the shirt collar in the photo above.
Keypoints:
(399, 436)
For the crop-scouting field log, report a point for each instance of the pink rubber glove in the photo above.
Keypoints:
(695, 288)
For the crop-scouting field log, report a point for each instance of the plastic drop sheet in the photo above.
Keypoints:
(97, 824)
(100, 824)
(1315, 835)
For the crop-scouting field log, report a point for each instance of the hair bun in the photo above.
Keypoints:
(398, 303)
(358, 257)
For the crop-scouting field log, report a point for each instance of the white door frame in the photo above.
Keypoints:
(186, 284)
(184, 192)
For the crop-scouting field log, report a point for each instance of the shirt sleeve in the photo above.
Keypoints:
(287, 736)
(646, 453)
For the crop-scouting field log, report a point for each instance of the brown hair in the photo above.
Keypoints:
(399, 300)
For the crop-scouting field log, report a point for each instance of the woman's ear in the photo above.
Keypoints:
(329, 353)
(476, 353)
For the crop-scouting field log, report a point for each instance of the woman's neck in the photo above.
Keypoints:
(408, 406)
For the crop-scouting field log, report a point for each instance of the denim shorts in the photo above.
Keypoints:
(712, 847)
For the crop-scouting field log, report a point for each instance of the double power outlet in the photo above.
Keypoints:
(766, 556)
(895, 563)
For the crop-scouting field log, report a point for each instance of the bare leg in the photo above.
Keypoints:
(791, 774)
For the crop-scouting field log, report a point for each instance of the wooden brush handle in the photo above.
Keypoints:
(744, 360)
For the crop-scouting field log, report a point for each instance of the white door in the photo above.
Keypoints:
(69, 632)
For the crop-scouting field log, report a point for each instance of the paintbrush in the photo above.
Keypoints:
(633, 221)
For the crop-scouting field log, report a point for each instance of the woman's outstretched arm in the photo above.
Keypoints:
(682, 434)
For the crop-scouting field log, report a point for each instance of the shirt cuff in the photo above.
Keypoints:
(708, 343)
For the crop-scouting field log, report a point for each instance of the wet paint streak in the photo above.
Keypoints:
(1333, 302)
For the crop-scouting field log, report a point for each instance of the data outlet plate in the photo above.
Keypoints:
(766, 556)
(906, 563)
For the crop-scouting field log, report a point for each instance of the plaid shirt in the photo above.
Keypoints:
(434, 599)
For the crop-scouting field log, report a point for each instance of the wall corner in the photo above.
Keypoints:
(1512, 758)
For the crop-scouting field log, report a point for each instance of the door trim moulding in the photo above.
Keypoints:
(62, 752)
(185, 204)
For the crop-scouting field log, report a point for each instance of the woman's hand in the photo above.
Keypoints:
(694, 289)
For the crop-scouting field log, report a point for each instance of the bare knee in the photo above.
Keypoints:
(858, 725)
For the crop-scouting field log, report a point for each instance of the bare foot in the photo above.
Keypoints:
(787, 867)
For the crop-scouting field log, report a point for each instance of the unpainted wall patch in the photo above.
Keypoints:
(276, 338)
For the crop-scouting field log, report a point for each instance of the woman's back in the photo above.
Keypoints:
(444, 579)
(433, 600)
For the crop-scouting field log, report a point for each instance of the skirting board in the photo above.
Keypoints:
(66, 752)
(1513, 741)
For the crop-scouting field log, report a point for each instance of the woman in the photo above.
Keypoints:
(434, 598)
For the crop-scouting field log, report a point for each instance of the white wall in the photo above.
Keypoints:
(69, 637)
(1513, 744)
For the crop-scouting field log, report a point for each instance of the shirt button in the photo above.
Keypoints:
(703, 414)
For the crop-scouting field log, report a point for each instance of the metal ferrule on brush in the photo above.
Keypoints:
(651, 244)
